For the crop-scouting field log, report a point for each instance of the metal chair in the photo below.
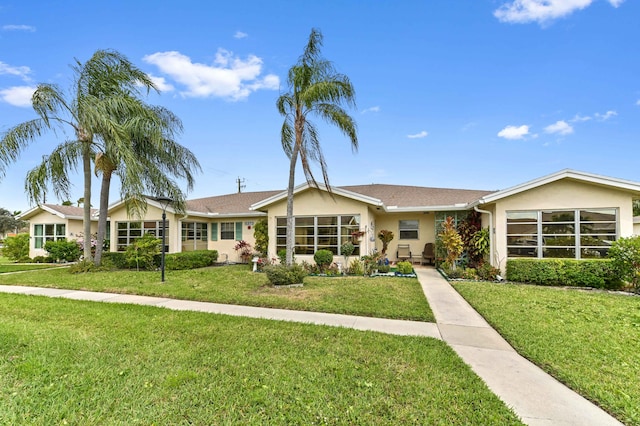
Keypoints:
(404, 252)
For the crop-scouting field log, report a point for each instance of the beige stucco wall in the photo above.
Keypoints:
(564, 194)
(391, 222)
(226, 251)
(73, 229)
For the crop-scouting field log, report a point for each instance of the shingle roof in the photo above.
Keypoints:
(70, 210)
(230, 203)
(417, 196)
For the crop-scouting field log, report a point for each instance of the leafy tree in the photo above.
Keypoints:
(625, 255)
(261, 235)
(8, 222)
(315, 88)
(143, 251)
(16, 248)
(91, 111)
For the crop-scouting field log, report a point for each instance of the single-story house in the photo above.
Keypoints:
(565, 214)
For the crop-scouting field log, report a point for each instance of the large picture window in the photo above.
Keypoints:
(48, 232)
(194, 236)
(313, 233)
(128, 232)
(576, 234)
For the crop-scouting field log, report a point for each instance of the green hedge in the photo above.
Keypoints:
(173, 261)
(597, 273)
(190, 259)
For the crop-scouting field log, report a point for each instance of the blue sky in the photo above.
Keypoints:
(478, 94)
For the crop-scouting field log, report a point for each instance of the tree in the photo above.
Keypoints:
(625, 255)
(315, 88)
(8, 222)
(91, 112)
(16, 248)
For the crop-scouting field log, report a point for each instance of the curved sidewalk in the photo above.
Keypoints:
(535, 396)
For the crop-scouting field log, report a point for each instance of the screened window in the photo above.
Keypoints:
(194, 236)
(409, 229)
(313, 233)
(227, 231)
(128, 232)
(48, 232)
(576, 234)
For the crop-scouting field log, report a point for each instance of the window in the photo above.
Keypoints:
(313, 233)
(227, 230)
(194, 236)
(575, 234)
(409, 229)
(48, 232)
(128, 232)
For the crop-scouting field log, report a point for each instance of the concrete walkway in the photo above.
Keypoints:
(536, 397)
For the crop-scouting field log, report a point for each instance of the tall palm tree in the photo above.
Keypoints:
(90, 112)
(315, 89)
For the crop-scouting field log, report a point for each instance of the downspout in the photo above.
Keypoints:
(491, 231)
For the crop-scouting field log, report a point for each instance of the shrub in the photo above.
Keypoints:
(142, 252)
(117, 260)
(16, 248)
(487, 272)
(323, 259)
(405, 268)
(261, 235)
(244, 249)
(598, 273)
(383, 269)
(63, 250)
(190, 259)
(285, 275)
(43, 259)
(625, 258)
(470, 274)
(451, 241)
(282, 256)
(347, 249)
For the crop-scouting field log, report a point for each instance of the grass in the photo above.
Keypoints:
(588, 340)
(383, 297)
(4, 267)
(75, 362)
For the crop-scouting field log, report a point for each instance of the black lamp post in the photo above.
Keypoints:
(164, 203)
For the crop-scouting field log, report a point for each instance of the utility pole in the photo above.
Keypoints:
(241, 184)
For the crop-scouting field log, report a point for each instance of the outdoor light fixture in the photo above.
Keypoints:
(164, 203)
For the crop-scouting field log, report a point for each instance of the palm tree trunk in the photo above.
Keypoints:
(290, 223)
(86, 218)
(102, 218)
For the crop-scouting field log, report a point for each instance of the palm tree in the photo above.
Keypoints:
(315, 89)
(90, 111)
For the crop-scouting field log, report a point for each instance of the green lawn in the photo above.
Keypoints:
(383, 297)
(588, 340)
(85, 363)
(9, 267)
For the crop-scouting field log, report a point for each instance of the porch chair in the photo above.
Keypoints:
(428, 254)
(404, 252)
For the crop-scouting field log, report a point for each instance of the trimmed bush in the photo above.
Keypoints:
(405, 268)
(285, 275)
(323, 259)
(597, 273)
(63, 250)
(117, 259)
(190, 259)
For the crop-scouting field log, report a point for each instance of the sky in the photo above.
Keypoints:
(474, 94)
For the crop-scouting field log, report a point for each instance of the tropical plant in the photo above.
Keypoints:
(385, 236)
(92, 112)
(16, 248)
(451, 241)
(261, 236)
(244, 250)
(315, 89)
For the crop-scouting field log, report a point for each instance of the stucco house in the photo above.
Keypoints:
(565, 214)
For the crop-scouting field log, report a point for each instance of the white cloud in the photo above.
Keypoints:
(228, 77)
(161, 83)
(638, 102)
(559, 127)
(19, 96)
(514, 132)
(22, 72)
(240, 34)
(580, 118)
(607, 115)
(422, 134)
(371, 109)
(28, 28)
(541, 11)
(616, 3)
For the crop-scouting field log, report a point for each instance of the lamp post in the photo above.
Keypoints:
(164, 203)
